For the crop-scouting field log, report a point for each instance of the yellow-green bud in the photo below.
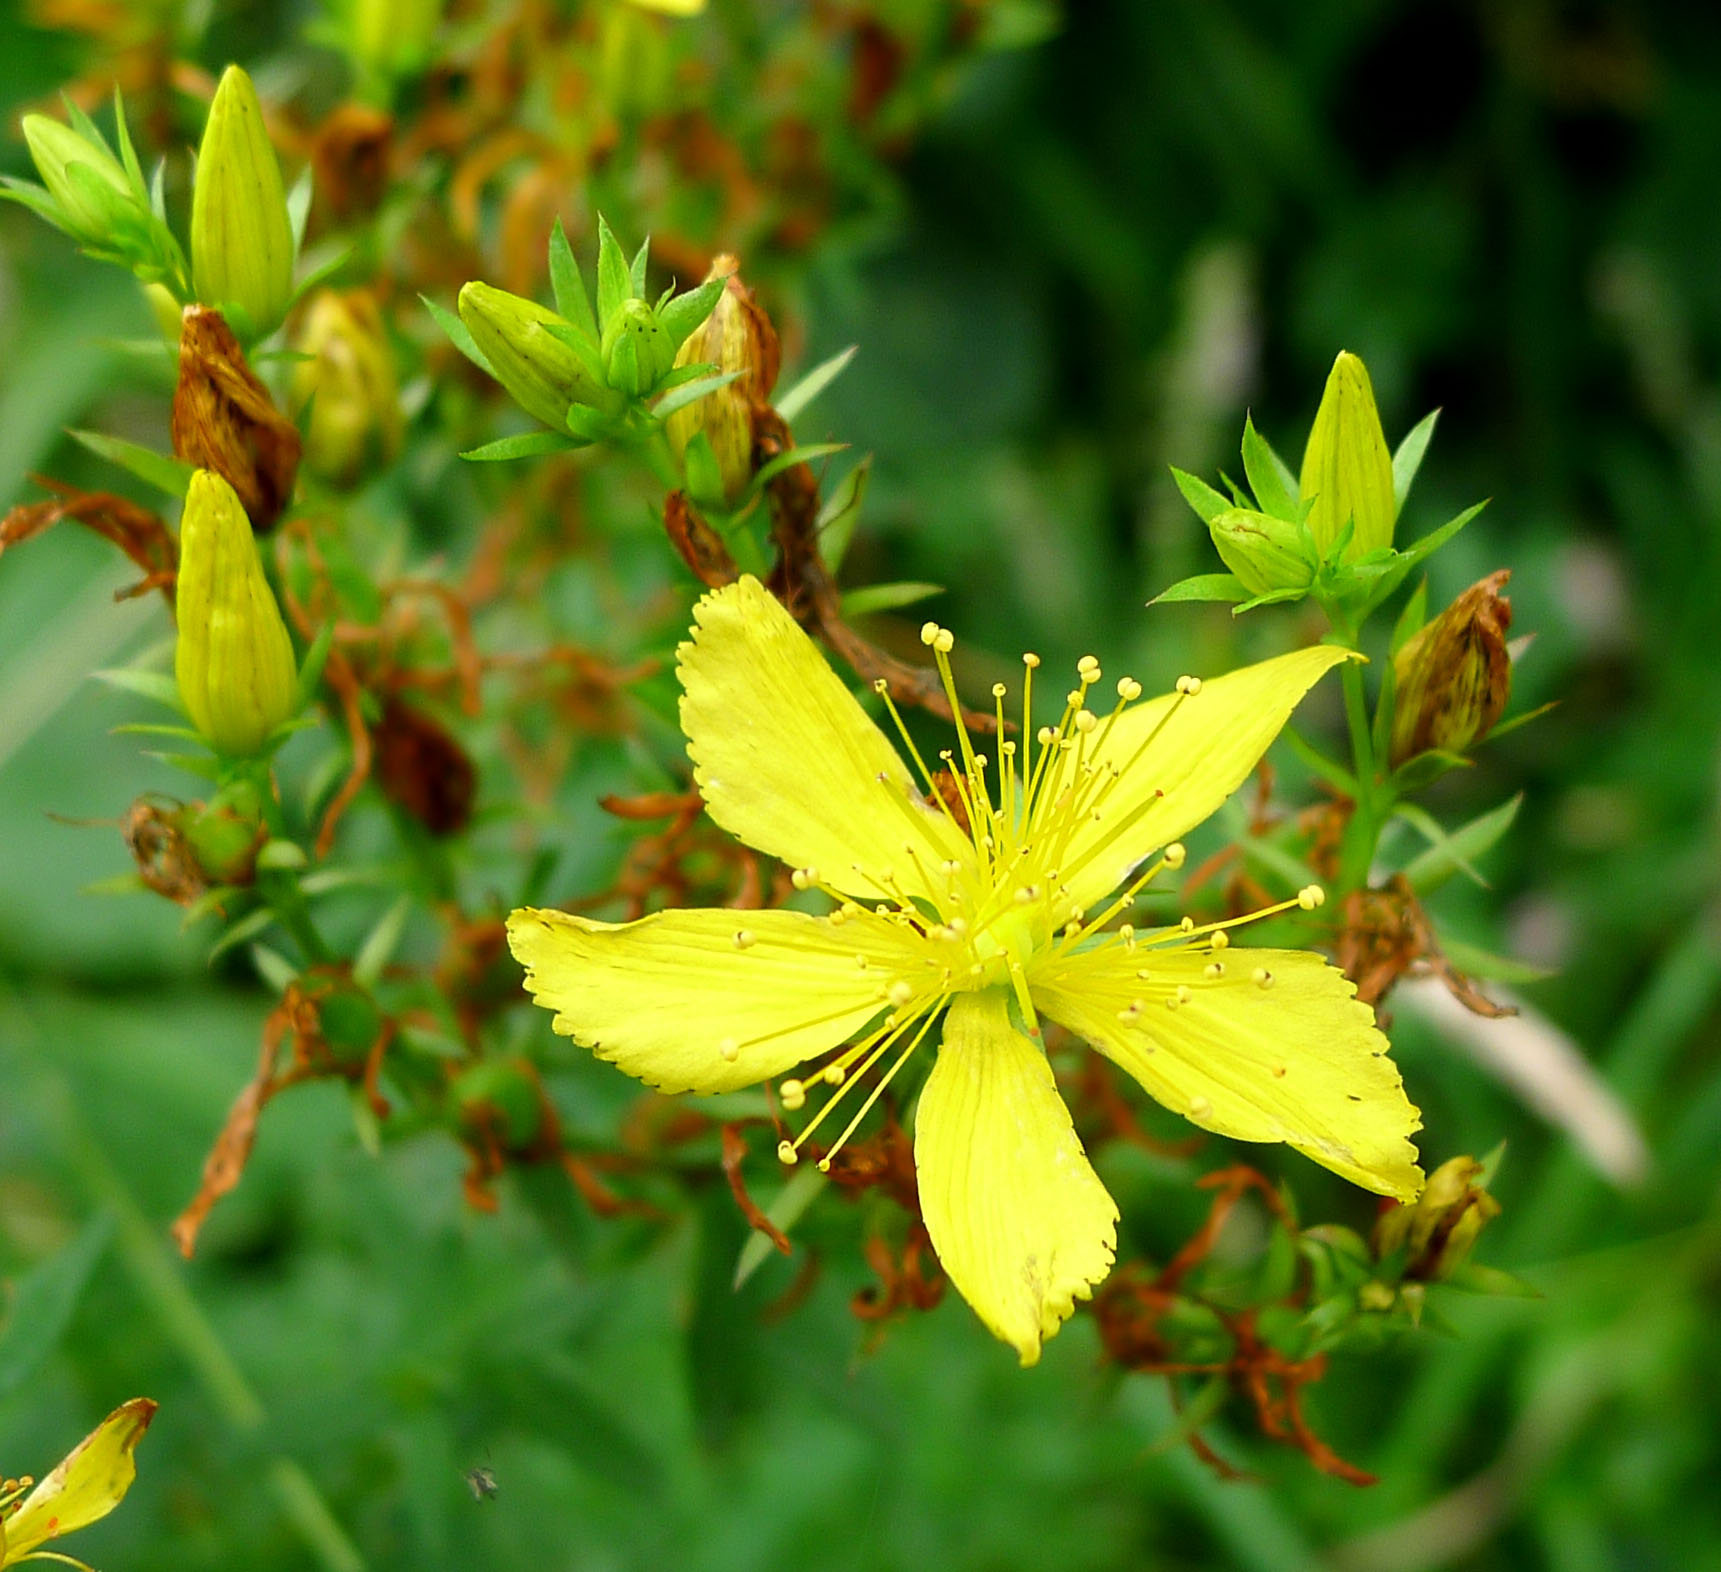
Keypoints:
(349, 384)
(544, 375)
(241, 236)
(737, 336)
(1265, 553)
(1439, 1228)
(1347, 470)
(637, 350)
(92, 205)
(234, 663)
(1452, 679)
(392, 37)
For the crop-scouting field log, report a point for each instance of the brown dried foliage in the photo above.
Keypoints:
(143, 536)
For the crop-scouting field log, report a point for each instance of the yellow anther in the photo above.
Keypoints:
(804, 878)
(1131, 1012)
(1213, 971)
(981, 761)
(1030, 660)
(1189, 686)
(1174, 855)
(1263, 977)
(730, 1049)
(745, 939)
(1187, 925)
(1183, 993)
(999, 690)
(1045, 736)
(1127, 934)
(794, 1095)
(1027, 894)
(1074, 698)
(1221, 940)
(879, 685)
(1311, 896)
(1086, 720)
(1128, 689)
(861, 962)
(900, 993)
(929, 632)
(786, 1153)
(1200, 1108)
(835, 1075)
(1144, 974)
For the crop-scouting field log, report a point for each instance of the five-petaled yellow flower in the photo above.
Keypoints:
(993, 911)
(86, 1484)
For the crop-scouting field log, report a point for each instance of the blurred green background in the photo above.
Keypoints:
(1099, 253)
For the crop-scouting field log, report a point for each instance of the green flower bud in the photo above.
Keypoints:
(544, 375)
(503, 1100)
(737, 336)
(1452, 679)
(95, 198)
(1265, 553)
(637, 350)
(234, 663)
(1439, 1228)
(349, 384)
(1347, 470)
(241, 237)
(226, 834)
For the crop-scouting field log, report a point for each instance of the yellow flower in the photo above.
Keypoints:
(994, 910)
(88, 1483)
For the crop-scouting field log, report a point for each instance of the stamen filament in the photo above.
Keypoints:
(877, 1092)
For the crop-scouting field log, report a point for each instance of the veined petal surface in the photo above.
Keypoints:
(1299, 1060)
(86, 1484)
(789, 762)
(662, 997)
(1019, 1219)
(1178, 758)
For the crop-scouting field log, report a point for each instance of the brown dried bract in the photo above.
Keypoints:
(1385, 934)
(224, 419)
(423, 769)
(350, 155)
(143, 536)
(699, 545)
(165, 861)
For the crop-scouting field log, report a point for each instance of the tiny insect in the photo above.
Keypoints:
(482, 1483)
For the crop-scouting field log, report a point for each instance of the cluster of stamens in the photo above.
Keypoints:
(1009, 900)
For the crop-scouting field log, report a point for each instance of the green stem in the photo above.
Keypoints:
(1362, 835)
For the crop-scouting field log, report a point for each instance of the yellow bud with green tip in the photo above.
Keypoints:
(543, 373)
(1347, 469)
(90, 208)
(234, 662)
(241, 236)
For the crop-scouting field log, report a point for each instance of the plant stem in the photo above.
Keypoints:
(1362, 834)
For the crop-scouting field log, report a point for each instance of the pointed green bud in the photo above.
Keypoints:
(1265, 553)
(241, 237)
(637, 350)
(1347, 470)
(87, 182)
(543, 373)
(234, 662)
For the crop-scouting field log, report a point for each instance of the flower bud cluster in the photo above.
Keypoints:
(580, 372)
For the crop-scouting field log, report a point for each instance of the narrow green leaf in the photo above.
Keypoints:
(1271, 598)
(572, 301)
(274, 968)
(1505, 728)
(786, 1209)
(614, 285)
(1458, 850)
(155, 685)
(783, 461)
(527, 444)
(242, 932)
(459, 336)
(841, 513)
(43, 1300)
(810, 386)
(167, 474)
(1207, 502)
(1408, 459)
(381, 943)
(299, 208)
(1274, 485)
(311, 667)
(1411, 619)
(1317, 761)
(636, 272)
(887, 597)
(686, 313)
(1474, 961)
(691, 393)
(1204, 586)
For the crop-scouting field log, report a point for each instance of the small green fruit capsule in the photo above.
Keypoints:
(637, 350)
(234, 662)
(96, 201)
(543, 374)
(241, 237)
(349, 385)
(737, 336)
(1265, 553)
(1453, 678)
(1347, 470)
(502, 1100)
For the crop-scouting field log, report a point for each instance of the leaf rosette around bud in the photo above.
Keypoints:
(1347, 467)
(1438, 1230)
(529, 350)
(242, 249)
(1453, 678)
(234, 661)
(348, 385)
(736, 337)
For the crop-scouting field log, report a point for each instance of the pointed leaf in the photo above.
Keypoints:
(785, 1210)
(1204, 586)
(841, 513)
(794, 456)
(1435, 866)
(614, 285)
(691, 393)
(167, 474)
(572, 301)
(887, 597)
(1275, 487)
(636, 273)
(1408, 459)
(1207, 502)
(810, 386)
(459, 335)
(156, 685)
(527, 444)
(381, 943)
(685, 313)
(42, 1301)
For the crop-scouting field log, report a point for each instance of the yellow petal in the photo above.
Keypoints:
(1299, 1060)
(1019, 1219)
(88, 1483)
(789, 762)
(665, 997)
(1178, 758)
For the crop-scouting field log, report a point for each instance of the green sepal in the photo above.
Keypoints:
(690, 391)
(157, 686)
(614, 285)
(1204, 587)
(569, 286)
(685, 313)
(1274, 485)
(1207, 502)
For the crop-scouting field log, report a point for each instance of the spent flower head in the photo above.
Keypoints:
(969, 908)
